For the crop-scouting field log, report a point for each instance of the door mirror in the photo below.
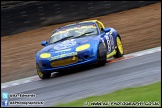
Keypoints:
(106, 30)
(44, 43)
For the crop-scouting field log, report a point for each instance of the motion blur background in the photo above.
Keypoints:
(19, 16)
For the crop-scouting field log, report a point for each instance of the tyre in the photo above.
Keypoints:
(42, 75)
(119, 49)
(101, 55)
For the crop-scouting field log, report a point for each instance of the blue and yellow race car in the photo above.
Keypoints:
(82, 43)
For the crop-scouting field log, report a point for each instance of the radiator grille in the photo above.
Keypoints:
(64, 62)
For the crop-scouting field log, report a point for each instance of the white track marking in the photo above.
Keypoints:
(144, 52)
(18, 82)
(36, 78)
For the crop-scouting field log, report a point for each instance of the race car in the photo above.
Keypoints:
(81, 43)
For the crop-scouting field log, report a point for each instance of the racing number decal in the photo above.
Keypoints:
(110, 41)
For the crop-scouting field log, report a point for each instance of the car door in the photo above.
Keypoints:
(107, 38)
(109, 42)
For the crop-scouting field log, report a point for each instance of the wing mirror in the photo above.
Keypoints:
(106, 30)
(44, 43)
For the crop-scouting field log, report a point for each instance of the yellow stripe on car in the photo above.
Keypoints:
(76, 28)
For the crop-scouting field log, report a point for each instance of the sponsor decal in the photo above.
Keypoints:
(65, 44)
(63, 55)
(69, 49)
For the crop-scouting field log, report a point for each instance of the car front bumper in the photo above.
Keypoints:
(60, 68)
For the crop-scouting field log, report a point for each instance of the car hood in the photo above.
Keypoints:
(67, 45)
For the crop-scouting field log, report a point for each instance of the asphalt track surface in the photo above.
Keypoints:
(92, 81)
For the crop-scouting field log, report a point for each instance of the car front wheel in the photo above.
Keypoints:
(101, 55)
(42, 75)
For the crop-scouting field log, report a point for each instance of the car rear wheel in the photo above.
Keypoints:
(119, 49)
(101, 55)
(42, 75)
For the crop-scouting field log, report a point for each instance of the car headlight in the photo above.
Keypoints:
(83, 47)
(45, 55)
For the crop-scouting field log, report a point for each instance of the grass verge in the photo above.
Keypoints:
(148, 96)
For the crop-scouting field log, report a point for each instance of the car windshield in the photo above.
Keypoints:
(73, 31)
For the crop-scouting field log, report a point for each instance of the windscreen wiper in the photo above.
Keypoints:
(64, 38)
(84, 34)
